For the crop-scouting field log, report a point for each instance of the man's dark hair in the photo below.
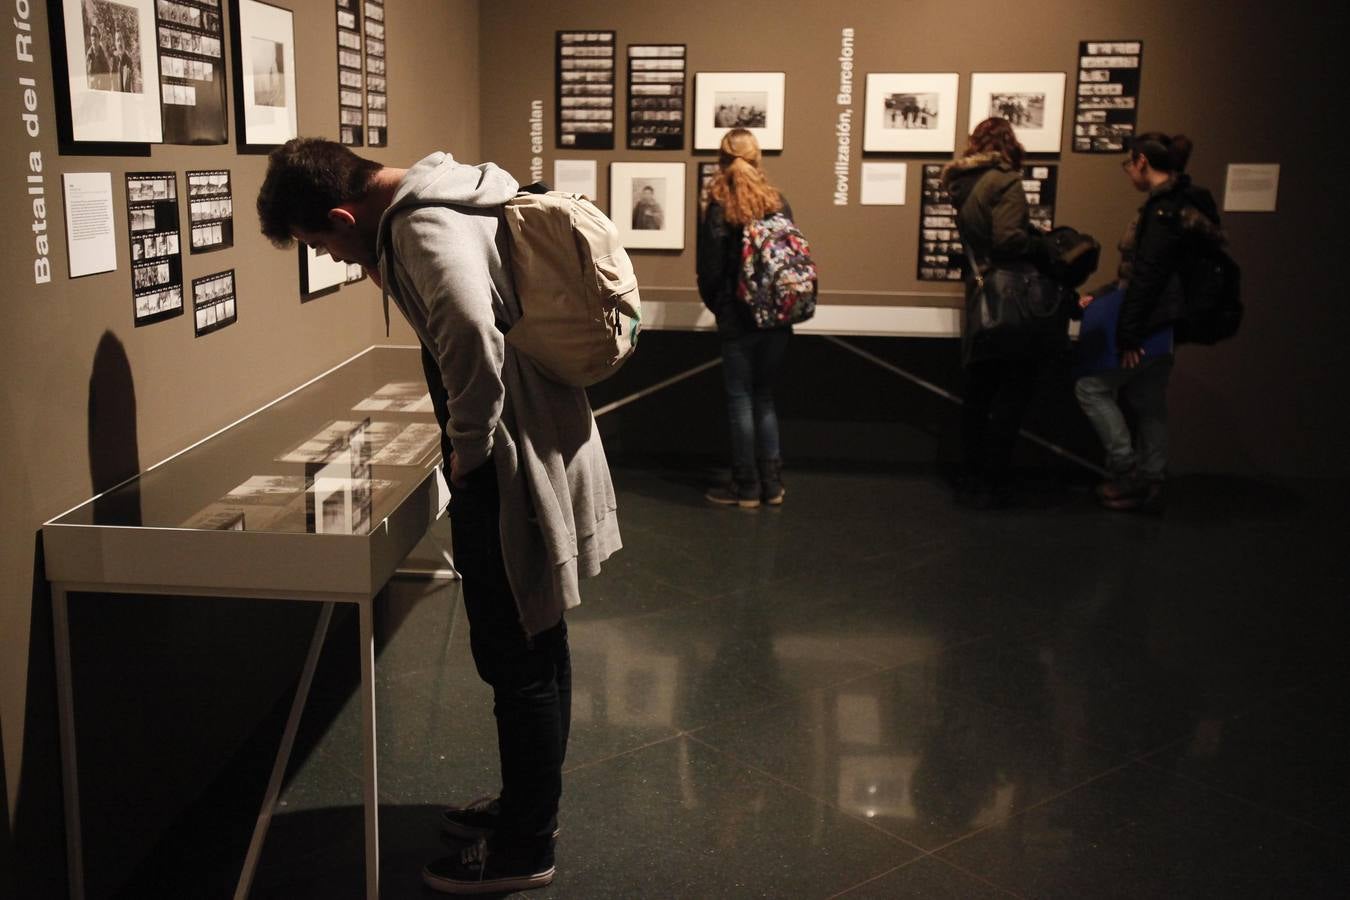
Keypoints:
(306, 177)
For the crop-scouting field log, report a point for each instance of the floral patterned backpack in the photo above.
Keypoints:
(778, 277)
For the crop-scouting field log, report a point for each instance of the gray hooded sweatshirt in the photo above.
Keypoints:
(447, 267)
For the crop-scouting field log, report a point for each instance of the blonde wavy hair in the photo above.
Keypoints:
(740, 186)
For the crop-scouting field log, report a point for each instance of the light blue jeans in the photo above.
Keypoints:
(1144, 388)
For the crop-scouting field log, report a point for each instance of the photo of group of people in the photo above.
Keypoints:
(656, 96)
(213, 302)
(112, 47)
(740, 109)
(1022, 110)
(911, 111)
(585, 73)
(940, 248)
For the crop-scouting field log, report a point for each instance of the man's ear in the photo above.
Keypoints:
(339, 217)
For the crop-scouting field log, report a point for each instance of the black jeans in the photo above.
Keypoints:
(530, 677)
(998, 393)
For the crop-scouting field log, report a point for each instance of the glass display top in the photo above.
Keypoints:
(335, 457)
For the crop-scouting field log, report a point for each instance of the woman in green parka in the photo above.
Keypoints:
(985, 184)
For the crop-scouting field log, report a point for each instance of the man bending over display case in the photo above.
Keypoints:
(532, 508)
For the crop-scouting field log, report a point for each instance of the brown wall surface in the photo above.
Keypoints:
(184, 388)
(1241, 78)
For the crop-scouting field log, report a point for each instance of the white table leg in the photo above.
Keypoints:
(65, 695)
(371, 788)
(283, 754)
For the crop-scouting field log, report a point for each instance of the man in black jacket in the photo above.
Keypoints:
(1176, 219)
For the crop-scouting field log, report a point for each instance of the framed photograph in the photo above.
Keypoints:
(108, 89)
(646, 202)
(1032, 101)
(940, 248)
(264, 75)
(911, 113)
(727, 100)
(320, 274)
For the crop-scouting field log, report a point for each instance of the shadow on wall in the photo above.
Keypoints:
(38, 837)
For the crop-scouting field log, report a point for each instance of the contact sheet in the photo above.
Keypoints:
(156, 257)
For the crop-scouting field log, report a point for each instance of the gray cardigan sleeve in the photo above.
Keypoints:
(446, 256)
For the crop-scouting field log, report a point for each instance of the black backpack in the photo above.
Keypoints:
(1211, 292)
(1074, 256)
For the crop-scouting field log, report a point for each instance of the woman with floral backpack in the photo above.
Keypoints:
(739, 196)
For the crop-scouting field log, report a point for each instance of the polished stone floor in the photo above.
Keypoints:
(873, 693)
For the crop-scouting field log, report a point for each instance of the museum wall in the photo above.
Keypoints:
(66, 342)
(1214, 70)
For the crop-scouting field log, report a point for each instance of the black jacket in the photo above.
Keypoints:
(719, 270)
(1175, 220)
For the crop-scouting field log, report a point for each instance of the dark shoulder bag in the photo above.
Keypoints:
(1017, 312)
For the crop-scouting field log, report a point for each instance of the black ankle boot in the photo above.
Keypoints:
(771, 481)
(743, 491)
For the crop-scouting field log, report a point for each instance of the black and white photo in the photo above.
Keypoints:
(656, 96)
(264, 75)
(940, 251)
(213, 302)
(910, 112)
(649, 213)
(108, 85)
(740, 109)
(647, 204)
(191, 41)
(585, 78)
(1033, 102)
(726, 100)
(211, 210)
(1106, 106)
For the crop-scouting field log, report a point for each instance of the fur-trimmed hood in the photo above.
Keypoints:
(960, 175)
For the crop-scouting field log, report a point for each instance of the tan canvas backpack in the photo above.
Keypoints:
(580, 311)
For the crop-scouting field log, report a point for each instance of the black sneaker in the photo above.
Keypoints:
(478, 870)
(475, 821)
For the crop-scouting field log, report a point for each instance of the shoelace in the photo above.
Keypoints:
(475, 856)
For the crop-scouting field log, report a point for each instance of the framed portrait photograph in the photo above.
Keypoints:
(646, 203)
(1032, 101)
(264, 75)
(910, 113)
(108, 89)
(727, 100)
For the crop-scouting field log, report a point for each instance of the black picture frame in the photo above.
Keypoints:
(579, 79)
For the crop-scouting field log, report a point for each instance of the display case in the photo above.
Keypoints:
(317, 496)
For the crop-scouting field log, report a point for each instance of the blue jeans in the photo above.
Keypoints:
(1144, 388)
(750, 364)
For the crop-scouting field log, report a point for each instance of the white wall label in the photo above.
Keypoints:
(89, 222)
(1251, 187)
(575, 176)
(883, 184)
